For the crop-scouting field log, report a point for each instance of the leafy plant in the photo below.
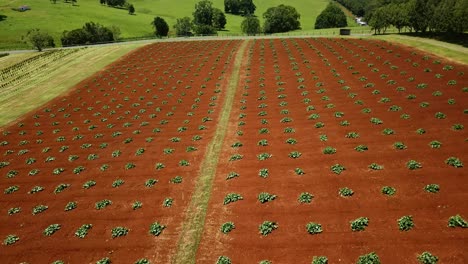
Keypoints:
(314, 228)
(39, 209)
(345, 192)
(387, 190)
(14, 210)
(299, 171)
(51, 229)
(405, 223)
(294, 154)
(352, 135)
(70, 206)
(82, 231)
(337, 168)
(236, 157)
(168, 202)
(370, 258)
(388, 131)
(375, 166)
(119, 231)
(440, 115)
(455, 162)
(305, 197)
(427, 258)
(156, 229)
(457, 221)
(264, 197)
(117, 183)
(361, 148)
(176, 179)
(160, 166)
(232, 197)
(329, 150)
(376, 121)
(413, 165)
(264, 156)
(267, 227)
(319, 260)
(263, 173)
(359, 224)
(435, 144)
(61, 187)
(10, 240)
(11, 189)
(399, 145)
(89, 184)
(223, 260)
(432, 188)
(227, 227)
(150, 183)
(142, 261)
(102, 204)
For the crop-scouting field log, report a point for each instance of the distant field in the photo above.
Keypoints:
(55, 18)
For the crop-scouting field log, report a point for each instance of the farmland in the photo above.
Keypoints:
(280, 150)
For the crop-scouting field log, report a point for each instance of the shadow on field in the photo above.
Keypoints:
(454, 38)
(3, 17)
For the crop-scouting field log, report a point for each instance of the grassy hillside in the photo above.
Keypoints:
(55, 18)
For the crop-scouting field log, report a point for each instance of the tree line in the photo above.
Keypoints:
(438, 16)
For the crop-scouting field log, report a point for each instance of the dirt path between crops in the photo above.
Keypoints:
(189, 238)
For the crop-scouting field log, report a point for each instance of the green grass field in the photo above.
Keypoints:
(55, 18)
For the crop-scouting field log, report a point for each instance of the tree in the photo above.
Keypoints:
(219, 19)
(39, 39)
(380, 20)
(113, 3)
(183, 26)
(282, 18)
(161, 28)
(201, 29)
(90, 33)
(131, 9)
(399, 16)
(420, 14)
(250, 26)
(203, 14)
(237, 7)
(231, 6)
(247, 7)
(331, 17)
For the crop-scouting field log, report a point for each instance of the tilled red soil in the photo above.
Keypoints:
(166, 98)
(150, 99)
(336, 68)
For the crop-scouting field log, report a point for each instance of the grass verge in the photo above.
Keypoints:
(189, 238)
(449, 51)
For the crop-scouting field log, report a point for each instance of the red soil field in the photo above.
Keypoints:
(160, 92)
(161, 104)
(279, 75)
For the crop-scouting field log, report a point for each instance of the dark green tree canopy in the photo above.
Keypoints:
(219, 19)
(282, 18)
(331, 17)
(203, 14)
(239, 7)
(441, 16)
(207, 19)
(251, 26)
(39, 39)
(90, 33)
(113, 2)
(161, 28)
(183, 26)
